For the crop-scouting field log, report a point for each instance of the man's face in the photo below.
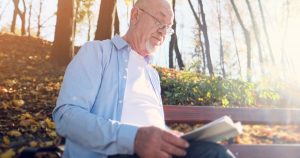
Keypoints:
(155, 25)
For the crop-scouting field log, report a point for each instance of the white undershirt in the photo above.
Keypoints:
(141, 105)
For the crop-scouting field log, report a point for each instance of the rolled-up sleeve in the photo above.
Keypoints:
(72, 115)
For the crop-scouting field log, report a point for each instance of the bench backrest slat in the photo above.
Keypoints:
(265, 151)
(204, 114)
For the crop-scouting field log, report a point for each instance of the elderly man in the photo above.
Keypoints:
(109, 104)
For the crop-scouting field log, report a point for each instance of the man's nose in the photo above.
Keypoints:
(163, 31)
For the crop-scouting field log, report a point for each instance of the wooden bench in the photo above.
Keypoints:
(251, 116)
(204, 114)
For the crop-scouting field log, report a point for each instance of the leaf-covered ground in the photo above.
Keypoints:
(29, 85)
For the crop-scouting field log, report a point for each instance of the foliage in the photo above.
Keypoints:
(84, 7)
(182, 87)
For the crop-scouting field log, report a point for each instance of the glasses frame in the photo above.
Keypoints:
(169, 30)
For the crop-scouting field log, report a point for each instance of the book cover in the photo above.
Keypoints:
(217, 130)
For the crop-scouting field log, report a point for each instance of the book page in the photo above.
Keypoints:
(222, 128)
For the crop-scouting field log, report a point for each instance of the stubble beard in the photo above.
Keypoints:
(150, 48)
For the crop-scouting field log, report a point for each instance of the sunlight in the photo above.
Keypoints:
(293, 49)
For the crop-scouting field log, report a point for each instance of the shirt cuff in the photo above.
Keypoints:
(126, 137)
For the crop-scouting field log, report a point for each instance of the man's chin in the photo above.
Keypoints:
(152, 49)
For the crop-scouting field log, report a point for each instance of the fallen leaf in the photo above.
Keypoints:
(50, 124)
(4, 105)
(33, 143)
(3, 90)
(6, 140)
(8, 154)
(26, 122)
(14, 133)
(18, 102)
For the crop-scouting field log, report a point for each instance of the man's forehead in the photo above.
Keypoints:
(160, 8)
(163, 10)
(165, 13)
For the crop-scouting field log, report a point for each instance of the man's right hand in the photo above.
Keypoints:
(153, 142)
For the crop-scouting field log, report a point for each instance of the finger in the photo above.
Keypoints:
(163, 154)
(173, 150)
(177, 133)
(177, 141)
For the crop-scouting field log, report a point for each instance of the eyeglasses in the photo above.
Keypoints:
(169, 30)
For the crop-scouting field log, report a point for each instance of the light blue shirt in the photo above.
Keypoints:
(89, 105)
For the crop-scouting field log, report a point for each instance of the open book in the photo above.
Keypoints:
(217, 130)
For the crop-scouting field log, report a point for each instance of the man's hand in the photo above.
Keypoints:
(153, 142)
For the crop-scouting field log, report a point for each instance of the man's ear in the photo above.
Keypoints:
(134, 17)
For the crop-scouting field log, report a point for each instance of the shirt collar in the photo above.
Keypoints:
(119, 42)
(149, 59)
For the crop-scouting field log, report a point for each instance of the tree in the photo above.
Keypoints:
(256, 35)
(222, 62)
(29, 19)
(205, 34)
(266, 31)
(235, 45)
(117, 23)
(39, 19)
(21, 14)
(14, 20)
(82, 10)
(247, 39)
(174, 45)
(106, 20)
(90, 17)
(197, 18)
(63, 39)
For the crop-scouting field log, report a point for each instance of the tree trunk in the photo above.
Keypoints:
(178, 55)
(203, 54)
(222, 62)
(195, 14)
(256, 35)
(117, 23)
(39, 19)
(22, 15)
(171, 48)
(235, 45)
(89, 16)
(63, 40)
(266, 32)
(247, 40)
(29, 19)
(13, 23)
(106, 20)
(172, 41)
(197, 18)
(205, 34)
(23, 18)
(77, 5)
(174, 45)
(90, 25)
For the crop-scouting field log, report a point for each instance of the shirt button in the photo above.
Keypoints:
(120, 101)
